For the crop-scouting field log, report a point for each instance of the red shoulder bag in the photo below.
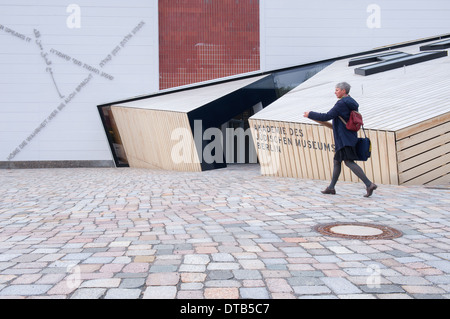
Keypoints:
(355, 121)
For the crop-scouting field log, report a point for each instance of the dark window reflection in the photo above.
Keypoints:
(287, 80)
(113, 135)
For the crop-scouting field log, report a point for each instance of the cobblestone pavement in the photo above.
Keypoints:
(230, 233)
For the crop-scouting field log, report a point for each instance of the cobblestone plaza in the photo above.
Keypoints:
(229, 233)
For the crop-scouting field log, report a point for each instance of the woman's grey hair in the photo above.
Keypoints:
(344, 86)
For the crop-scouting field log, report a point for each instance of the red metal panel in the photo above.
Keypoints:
(201, 40)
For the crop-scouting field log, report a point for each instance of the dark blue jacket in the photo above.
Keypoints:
(342, 136)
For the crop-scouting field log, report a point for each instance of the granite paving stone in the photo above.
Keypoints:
(221, 293)
(130, 283)
(341, 285)
(160, 292)
(94, 233)
(254, 293)
(121, 293)
(101, 283)
(311, 290)
(163, 279)
(25, 290)
(88, 293)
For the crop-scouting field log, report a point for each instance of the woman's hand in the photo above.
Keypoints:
(306, 114)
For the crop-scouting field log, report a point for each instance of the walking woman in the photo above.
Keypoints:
(344, 140)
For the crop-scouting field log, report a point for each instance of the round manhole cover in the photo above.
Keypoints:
(358, 231)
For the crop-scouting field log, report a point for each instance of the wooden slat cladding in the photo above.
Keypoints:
(306, 151)
(421, 156)
(424, 152)
(157, 139)
(411, 130)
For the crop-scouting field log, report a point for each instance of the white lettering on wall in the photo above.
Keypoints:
(374, 19)
(74, 19)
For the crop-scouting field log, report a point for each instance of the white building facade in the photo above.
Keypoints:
(60, 59)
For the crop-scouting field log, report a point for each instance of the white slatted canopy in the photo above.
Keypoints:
(389, 101)
(189, 100)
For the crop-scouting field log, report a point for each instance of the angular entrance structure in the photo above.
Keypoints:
(406, 110)
(170, 130)
(195, 128)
